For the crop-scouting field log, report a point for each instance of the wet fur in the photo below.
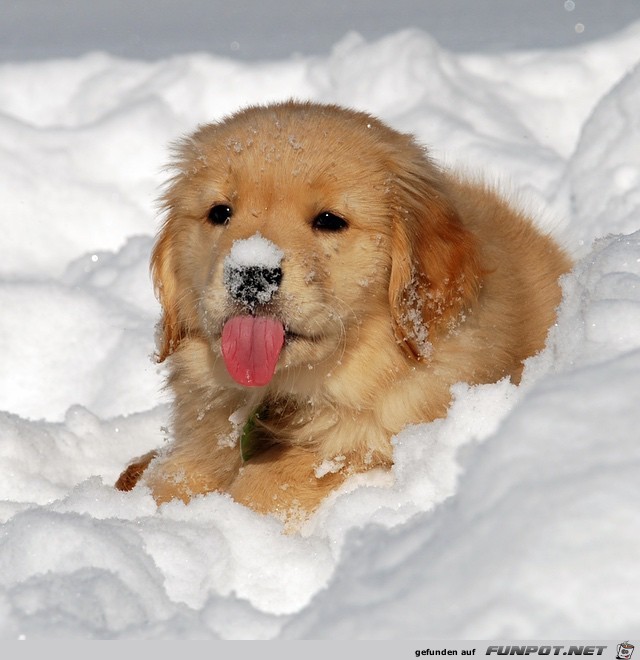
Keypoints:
(436, 280)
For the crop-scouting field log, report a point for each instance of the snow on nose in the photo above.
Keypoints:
(251, 271)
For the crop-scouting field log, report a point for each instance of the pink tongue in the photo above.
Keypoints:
(251, 346)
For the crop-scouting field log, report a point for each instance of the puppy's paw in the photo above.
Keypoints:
(131, 475)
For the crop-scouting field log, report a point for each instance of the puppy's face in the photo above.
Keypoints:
(289, 230)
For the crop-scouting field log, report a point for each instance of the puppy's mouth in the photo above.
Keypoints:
(251, 346)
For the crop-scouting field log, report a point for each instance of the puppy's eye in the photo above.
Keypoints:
(220, 214)
(328, 221)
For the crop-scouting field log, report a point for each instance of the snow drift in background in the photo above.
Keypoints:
(515, 517)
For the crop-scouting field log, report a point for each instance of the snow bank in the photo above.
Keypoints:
(514, 517)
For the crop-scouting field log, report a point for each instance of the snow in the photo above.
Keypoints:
(251, 269)
(515, 517)
(254, 251)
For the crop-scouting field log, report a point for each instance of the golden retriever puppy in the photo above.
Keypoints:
(323, 284)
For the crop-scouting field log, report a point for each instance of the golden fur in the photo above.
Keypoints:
(434, 280)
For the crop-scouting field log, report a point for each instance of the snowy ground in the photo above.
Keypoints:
(515, 517)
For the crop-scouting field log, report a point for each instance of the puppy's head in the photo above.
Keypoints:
(291, 229)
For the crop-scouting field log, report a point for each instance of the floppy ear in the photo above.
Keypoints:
(170, 331)
(178, 318)
(435, 270)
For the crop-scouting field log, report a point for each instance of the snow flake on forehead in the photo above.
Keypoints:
(235, 145)
(294, 142)
(254, 251)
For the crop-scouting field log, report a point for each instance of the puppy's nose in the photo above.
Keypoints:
(252, 285)
(252, 272)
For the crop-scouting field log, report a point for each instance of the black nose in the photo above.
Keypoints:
(252, 285)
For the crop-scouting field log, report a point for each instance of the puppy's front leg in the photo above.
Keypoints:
(203, 457)
(185, 471)
(283, 480)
